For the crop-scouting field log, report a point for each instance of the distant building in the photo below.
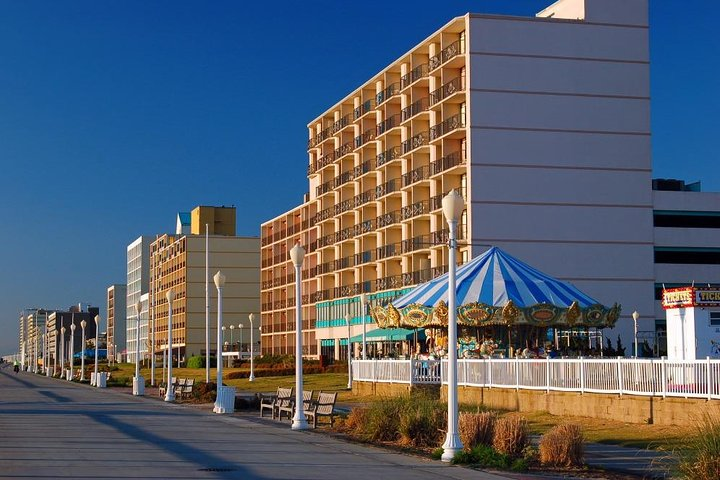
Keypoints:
(182, 226)
(138, 281)
(116, 320)
(33, 330)
(73, 315)
(178, 262)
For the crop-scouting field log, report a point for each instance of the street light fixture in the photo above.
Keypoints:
(232, 342)
(72, 350)
(138, 381)
(83, 324)
(635, 316)
(225, 398)
(240, 327)
(62, 351)
(364, 302)
(169, 387)
(251, 317)
(349, 360)
(55, 355)
(452, 206)
(97, 336)
(297, 255)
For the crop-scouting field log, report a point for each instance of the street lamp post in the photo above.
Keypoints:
(225, 399)
(297, 255)
(55, 355)
(97, 337)
(138, 381)
(251, 317)
(349, 355)
(232, 342)
(240, 328)
(62, 352)
(72, 350)
(83, 324)
(635, 316)
(364, 301)
(169, 387)
(452, 206)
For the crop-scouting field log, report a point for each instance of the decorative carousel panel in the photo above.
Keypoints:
(594, 316)
(613, 315)
(440, 315)
(416, 315)
(510, 313)
(380, 316)
(393, 317)
(543, 314)
(475, 314)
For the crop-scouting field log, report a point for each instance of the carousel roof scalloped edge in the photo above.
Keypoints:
(482, 315)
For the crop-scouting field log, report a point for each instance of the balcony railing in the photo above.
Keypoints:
(363, 108)
(417, 208)
(387, 188)
(342, 123)
(390, 154)
(367, 136)
(320, 137)
(452, 50)
(416, 141)
(448, 161)
(421, 71)
(455, 85)
(415, 108)
(389, 123)
(387, 219)
(447, 126)
(343, 150)
(391, 90)
(416, 175)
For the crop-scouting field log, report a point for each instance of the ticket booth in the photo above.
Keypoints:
(693, 322)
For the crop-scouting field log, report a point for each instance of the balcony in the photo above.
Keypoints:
(388, 124)
(391, 90)
(447, 162)
(449, 52)
(345, 121)
(421, 71)
(364, 108)
(366, 137)
(362, 169)
(416, 141)
(416, 175)
(320, 137)
(454, 86)
(388, 219)
(447, 126)
(388, 155)
(414, 108)
(387, 188)
(415, 209)
(343, 150)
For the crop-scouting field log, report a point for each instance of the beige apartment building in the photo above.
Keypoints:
(534, 120)
(116, 320)
(178, 262)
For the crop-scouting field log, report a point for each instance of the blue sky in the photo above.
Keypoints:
(115, 115)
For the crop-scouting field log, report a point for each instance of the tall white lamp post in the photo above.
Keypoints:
(225, 399)
(240, 328)
(98, 383)
(635, 316)
(72, 350)
(349, 354)
(453, 206)
(232, 329)
(55, 355)
(251, 317)
(62, 351)
(297, 255)
(169, 387)
(138, 381)
(83, 324)
(364, 301)
(44, 363)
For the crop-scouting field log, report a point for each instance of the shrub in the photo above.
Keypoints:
(356, 419)
(196, 362)
(420, 420)
(510, 435)
(437, 453)
(700, 457)
(562, 446)
(476, 429)
(483, 456)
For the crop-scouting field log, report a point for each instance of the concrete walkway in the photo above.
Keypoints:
(50, 428)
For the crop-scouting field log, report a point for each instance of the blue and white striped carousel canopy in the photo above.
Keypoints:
(494, 278)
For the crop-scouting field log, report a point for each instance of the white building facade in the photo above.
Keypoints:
(138, 275)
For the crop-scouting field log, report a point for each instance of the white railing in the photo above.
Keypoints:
(649, 377)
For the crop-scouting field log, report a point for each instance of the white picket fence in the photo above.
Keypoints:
(623, 376)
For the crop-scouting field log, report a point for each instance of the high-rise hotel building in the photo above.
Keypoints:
(542, 124)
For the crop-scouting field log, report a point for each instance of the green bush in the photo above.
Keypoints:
(196, 362)
(437, 453)
(483, 456)
(699, 459)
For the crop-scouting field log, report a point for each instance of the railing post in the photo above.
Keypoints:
(489, 374)
(663, 375)
(412, 371)
(517, 373)
(620, 378)
(708, 377)
(582, 376)
(547, 374)
(374, 370)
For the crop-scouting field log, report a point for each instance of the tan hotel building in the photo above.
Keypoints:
(178, 262)
(542, 123)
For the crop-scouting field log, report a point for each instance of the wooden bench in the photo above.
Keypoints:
(187, 389)
(163, 386)
(324, 406)
(289, 409)
(274, 402)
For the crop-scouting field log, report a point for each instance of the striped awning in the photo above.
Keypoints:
(497, 288)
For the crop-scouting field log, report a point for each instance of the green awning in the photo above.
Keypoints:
(389, 335)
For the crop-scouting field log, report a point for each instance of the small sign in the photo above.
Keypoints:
(691, 297)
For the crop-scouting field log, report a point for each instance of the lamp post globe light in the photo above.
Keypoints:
(349, 355)
(169, 390)
(240, 327)
(98, 383)
(83, 324)
(452, 206)
(297, 255)
(138, 381)
(225, 399)
(62, 351)
(364, 301)
(251, 317)
(635, 316)
(72, 350)
(232, 342)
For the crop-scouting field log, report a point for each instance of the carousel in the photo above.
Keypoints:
(506, 308)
